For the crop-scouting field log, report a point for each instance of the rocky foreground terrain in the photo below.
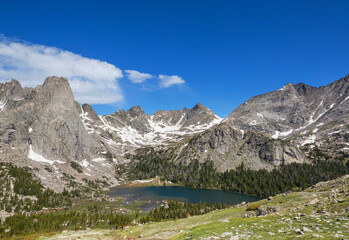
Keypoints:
(321, 211)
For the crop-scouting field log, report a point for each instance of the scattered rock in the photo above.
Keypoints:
(298, 231)
(261, 211)
(317, 235)
(305, 229)
(315, 200)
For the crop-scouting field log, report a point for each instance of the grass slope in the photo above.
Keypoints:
(321, 211)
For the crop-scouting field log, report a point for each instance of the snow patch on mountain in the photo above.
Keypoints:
(310, 140)
(2, 105)
(39, 158)
(159, 131)
(278, 134)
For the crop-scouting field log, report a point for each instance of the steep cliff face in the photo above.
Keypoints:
(47, 118)
(41, 128)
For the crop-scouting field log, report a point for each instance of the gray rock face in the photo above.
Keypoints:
(41, 128)
(47, 119)
(229, 147)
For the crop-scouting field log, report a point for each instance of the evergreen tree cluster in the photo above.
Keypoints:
(24, 224)
(22, 192)
(177, 210)
(294, 176)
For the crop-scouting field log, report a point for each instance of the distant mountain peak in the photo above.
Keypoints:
(199, 107)
(56, 81)
(287, 86)
(136, 108)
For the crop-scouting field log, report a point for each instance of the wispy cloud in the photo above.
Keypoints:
(167, 81)
(163, 81)
(137, 77)
(92, 81)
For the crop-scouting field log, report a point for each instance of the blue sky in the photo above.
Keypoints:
(219, 53)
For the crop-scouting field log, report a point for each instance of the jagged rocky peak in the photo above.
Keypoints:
(56, 81)
(200, 107)
(12, 94)
(56, 90)
(47, 119)
(198, 115)
(89, 112)
(304, 89)
(136, 111)
(10, 88)
(202, 115)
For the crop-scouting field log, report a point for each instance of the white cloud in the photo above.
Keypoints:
(167, 81)
(92, 81)
(137, 77)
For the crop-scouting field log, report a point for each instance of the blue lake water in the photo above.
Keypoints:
(155, 194)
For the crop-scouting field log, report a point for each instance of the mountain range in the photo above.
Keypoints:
(45, 129)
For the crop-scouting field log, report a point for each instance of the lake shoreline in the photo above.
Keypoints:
(153, 192)
(145, 183)
(157, 182)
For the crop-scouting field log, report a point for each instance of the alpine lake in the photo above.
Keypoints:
(153, 196)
